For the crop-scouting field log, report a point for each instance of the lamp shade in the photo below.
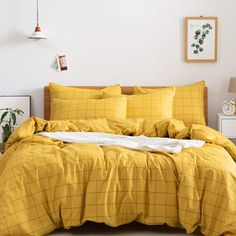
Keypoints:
(37, 34)
(232, 85)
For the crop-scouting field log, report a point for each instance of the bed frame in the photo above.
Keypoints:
(125, 90)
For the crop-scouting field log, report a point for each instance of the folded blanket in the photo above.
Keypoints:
(142, 143)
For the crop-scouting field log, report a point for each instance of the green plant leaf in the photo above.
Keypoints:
(13, 116)
(7, 132)
(201, 41)
(3, 116)
(17, 111)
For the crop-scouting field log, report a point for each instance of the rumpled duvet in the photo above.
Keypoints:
(47, 184)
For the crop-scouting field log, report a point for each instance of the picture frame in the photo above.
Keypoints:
(62, 62)
(201, 39)
(22, 102)
(59, 63)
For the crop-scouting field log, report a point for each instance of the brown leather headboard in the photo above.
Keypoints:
(125, 90)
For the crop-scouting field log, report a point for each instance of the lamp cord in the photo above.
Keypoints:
(37, 13)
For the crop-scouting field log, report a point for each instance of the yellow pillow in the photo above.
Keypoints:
(114, 107)
(188, 102)
(64, 92)
(156, 105)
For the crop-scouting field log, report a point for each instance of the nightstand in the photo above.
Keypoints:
(226, 125)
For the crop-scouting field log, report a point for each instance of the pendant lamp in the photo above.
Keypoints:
(37, 34)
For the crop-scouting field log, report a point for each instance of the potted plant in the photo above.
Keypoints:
(8, 121)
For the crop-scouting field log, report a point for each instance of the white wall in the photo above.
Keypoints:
(131, 42)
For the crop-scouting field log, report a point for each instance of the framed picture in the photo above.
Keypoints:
(21, 102)
(59, 63)
(201, 39)
(62, 62)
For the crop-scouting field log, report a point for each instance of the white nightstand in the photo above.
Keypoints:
(226, 125)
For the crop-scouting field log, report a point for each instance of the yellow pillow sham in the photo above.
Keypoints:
(64, 92)
(188, 102)
(114, 107)
(156, 105)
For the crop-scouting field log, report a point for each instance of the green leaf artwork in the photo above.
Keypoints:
(8, 121)
(199, 36)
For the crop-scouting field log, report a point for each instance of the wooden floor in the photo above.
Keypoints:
(134, 229)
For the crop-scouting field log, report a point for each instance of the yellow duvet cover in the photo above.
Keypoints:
(46, 184)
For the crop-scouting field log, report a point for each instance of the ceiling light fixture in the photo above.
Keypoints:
(37, 34)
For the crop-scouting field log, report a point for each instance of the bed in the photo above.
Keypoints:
(47, 183)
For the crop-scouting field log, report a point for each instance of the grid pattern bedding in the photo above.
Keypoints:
(46, 184)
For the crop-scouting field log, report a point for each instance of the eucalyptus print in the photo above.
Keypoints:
(199, 37)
